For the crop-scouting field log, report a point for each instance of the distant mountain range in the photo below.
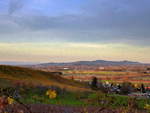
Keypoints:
(78, 63)
(96, 62)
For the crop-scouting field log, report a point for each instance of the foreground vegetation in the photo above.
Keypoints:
(38, 95)
(85, 99)
(16, 89)
(81, 98)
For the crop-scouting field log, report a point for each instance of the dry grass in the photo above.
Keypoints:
(36, 77)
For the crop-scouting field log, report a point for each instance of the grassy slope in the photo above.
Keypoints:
(11, 74)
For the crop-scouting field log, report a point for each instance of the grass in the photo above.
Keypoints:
(37, 77)
(34, 97)
(82, 99)
(5, 83)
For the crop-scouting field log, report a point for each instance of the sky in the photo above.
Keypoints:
(74, 30)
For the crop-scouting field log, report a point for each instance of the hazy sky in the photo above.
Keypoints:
(71, 30)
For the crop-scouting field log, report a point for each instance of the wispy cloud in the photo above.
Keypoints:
(15, 5)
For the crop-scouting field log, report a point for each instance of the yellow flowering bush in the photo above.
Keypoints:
(51, 93)
(147, 106)
(10, 100)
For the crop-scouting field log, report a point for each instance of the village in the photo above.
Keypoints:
(125, 88)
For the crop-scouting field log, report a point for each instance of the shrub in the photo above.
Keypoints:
(126, 88)
(147, 107)
(51, 93)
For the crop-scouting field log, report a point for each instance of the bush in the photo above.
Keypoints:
(51, 93)
(126, 88)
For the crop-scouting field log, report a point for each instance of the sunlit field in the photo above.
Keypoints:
(111, 76)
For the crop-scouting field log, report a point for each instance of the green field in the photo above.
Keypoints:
(35, 96)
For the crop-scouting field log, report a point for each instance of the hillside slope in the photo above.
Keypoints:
(11, 74)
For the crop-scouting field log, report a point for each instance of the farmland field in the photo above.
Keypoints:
(117, 74)
(114, 76)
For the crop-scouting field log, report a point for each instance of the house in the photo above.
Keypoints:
(101, 68)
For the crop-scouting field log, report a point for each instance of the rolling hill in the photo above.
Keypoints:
(12, 74)
(96, 62)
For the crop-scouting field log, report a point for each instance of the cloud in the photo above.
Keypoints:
(15, 5)
(69, 29)
(99, 21)
(7, 25)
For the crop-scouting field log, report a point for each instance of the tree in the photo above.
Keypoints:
(143, 88)
(94, 83)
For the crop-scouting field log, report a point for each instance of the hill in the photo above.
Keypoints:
(96, 62)
(13, 74)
